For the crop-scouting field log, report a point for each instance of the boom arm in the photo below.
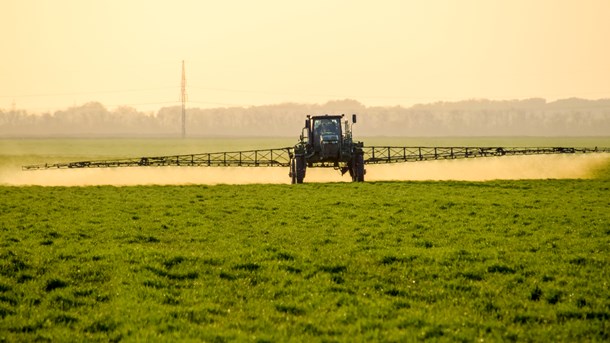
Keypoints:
(251, 158)
(391, 154)
(281, 157)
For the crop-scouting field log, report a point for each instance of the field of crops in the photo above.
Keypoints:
(499, 260)
(502, 260)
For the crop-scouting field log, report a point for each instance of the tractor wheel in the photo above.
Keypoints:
(300, 168)
(297, 169)
(358, 168)
(293, 172)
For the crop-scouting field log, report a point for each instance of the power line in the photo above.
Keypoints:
(85, 92)
(397, 97)
(217, 103)
(230, 90)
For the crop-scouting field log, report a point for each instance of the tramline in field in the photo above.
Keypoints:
(325, 142)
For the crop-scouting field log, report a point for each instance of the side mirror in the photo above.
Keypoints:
(353, 118)
(307, 124)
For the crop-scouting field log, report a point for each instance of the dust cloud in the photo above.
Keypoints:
(495, 168)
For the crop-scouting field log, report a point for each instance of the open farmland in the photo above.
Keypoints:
(498, 260)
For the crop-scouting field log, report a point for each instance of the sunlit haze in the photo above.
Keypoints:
(61, 53)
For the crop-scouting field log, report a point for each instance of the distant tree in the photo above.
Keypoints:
(462, 118)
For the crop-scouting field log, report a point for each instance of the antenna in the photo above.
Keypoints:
(183, 99)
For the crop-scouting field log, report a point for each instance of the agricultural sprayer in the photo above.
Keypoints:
(325, 142)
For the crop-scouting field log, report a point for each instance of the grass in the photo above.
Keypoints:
(455, 261)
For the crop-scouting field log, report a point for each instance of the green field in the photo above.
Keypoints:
(380, 261)
(386, 261)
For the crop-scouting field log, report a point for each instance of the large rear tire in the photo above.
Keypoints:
(293, 171)
(297, 169)
(358, 168)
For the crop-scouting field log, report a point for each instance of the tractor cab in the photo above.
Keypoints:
(326, 136)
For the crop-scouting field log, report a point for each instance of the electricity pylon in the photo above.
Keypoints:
(183, 100)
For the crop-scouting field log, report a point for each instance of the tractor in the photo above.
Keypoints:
(325, 142)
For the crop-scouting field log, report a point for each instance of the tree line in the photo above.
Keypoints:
(530, 117)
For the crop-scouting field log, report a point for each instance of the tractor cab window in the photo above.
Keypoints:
(327, 126)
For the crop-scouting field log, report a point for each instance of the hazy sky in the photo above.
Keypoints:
(60, 53)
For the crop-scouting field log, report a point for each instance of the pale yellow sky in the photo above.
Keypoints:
(60, 53)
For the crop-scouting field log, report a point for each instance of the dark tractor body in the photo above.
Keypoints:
(326, 141)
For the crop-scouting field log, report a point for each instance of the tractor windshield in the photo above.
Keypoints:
(327, 126)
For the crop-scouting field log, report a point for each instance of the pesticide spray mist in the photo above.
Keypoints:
(495, 168)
